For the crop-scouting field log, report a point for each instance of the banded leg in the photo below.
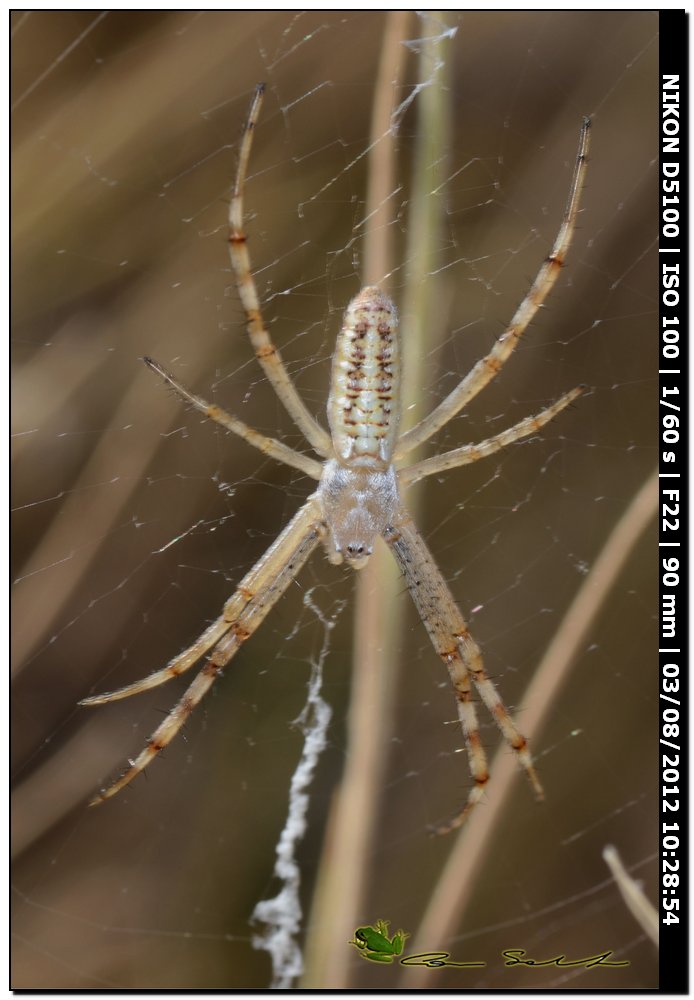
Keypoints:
(265, 351)
(257, 593)
(269, 446)
(452, 641)
(280, 553)
(467, 714)
(484, 371)
(473, 452)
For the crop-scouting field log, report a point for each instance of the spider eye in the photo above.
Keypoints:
(357, 551)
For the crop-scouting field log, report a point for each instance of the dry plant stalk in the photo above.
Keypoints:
(340, 883)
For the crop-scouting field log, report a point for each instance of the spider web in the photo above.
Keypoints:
(133, 520)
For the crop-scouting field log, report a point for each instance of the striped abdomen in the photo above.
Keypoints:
(363, 406)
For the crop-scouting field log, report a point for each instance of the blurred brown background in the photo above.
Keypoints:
(133, 520)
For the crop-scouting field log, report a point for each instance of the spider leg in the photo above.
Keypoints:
(452, 641)
(269, 446)
(467, 714)
(473, 452)
(257, 593)
(265, 351)
(280, 553)
(484, 371)
(175, 667)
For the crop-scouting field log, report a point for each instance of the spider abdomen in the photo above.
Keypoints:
(362, 409)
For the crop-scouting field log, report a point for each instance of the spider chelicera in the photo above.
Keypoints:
(360, 484)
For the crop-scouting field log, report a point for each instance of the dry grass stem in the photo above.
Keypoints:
(633, 895)
(341, 882)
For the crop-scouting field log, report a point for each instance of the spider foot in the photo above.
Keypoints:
(441, 829)
(529, 768)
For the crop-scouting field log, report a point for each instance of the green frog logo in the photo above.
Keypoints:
(374, 944)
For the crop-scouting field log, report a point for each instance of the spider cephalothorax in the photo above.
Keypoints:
(358, 498)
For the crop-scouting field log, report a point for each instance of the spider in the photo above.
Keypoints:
(360, 483)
